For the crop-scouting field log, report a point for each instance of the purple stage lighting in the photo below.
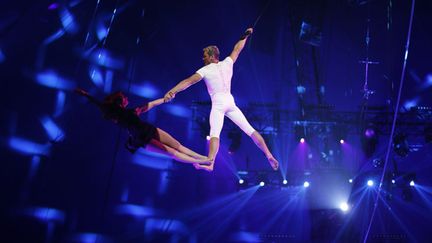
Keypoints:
(370, 183)
(369, 132)
(306, 184)
(262, 183)
(53, 6)
(342, 141)
(302, 140)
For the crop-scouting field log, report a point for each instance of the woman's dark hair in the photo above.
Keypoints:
(115, 98)
(112, 108)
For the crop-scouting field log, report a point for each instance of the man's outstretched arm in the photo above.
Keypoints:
(184, 84)
(240, 44)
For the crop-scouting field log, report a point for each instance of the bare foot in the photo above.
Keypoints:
(273, 162)
(203, 162)
(208, 168)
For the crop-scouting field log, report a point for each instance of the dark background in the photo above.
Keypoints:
(81, 185)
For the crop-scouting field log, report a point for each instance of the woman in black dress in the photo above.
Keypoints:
(141, 133)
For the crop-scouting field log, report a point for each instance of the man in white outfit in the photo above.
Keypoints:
(217, 76)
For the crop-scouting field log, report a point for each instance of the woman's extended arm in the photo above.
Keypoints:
(88, 96)
(149, 106)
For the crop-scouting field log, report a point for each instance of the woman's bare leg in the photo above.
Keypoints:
(167, 139)
(159, 147)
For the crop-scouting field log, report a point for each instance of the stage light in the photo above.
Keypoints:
(208, 138)
(51, 79)
(235, 138)
(300, 131)
(370, 183)
(55, 133)
(350, 180)
(285, 182)
(241, 181)
(369, 141)
(412, 183)
(378, 163)
(344, 207)
(262, 183)
(369, 132)
(146, 90)
(400, 145)
(341, 141)
(306, 184)
(393, 181)
(301, 89)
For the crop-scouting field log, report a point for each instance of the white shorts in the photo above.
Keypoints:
(223, 105)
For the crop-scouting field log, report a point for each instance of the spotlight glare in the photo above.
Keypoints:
(302, 140)
(306, 184)
(344, 207)
(262, 183)
(208, 138)
(393, 181)
(370, 183)
(412, 183)
(342, 141)
(241, 181)
(285, 182)
(350, 180)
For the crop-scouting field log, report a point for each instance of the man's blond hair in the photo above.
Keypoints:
(212, 51)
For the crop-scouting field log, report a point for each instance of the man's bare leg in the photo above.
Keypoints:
(259, 141)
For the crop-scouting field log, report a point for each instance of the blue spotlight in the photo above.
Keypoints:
(285, 182)
(178, 110)
(57, 35)
(137, 211)
(44, 214)
(412, 183)
(301, 89)
(306, 184)
(344, 207)
(341, 141)
(60, 102)
(350, 180)
(96, 76)
(53, 80)
(302, 140)
(2, 56)
(241, 181)
(52, 129)
(370, 183)
(145, 90)
(28, 147)
(104, 58)
(262, 183)
(393, 181)
(68, 21)
(411, 103)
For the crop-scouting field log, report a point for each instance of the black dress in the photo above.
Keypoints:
(140, 132)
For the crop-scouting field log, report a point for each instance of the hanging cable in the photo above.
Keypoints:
(393, 124)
